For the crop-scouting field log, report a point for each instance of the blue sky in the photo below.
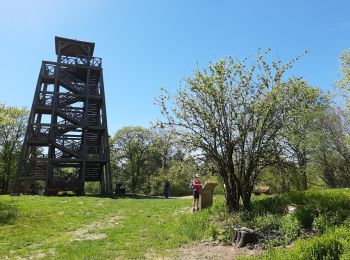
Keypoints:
(146, 45)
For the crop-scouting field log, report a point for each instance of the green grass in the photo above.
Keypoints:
(96, 228)
(102, 228)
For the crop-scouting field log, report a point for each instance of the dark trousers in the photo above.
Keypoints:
(166, 194)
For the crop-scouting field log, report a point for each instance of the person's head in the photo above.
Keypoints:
(196, 176)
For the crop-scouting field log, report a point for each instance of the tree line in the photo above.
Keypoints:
(245, 122)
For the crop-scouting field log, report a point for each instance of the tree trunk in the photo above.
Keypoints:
(302, 163)
(232, 202)
(303, 179)
(302, 182)
(246, 195)
(232, 196)
(133, 181)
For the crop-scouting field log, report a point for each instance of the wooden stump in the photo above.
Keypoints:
(244, 236)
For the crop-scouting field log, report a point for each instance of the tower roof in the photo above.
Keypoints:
(70, 47)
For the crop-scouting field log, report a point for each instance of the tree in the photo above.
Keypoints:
(12, 129)
(299, 138)
(334, 150)
(179, 174)
(134, 156)
(333, 153)
(344, 83)
(230, 113)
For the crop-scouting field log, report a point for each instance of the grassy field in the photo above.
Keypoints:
(96, 228)
(38, 227)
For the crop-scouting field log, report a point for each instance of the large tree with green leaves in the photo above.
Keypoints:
(300, 137)
(135, 155)
(231, 113)
(333, 151)
(12, 129)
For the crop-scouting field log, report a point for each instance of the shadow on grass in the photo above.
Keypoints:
(8, 213)
(136, 196)
(129, 196)
(117, 196)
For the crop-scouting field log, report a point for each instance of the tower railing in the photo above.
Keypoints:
(81, 60)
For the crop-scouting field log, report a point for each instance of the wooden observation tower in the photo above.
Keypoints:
(66, 142)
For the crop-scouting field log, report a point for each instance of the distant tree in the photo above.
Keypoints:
(12, 129)
(163, 144)
(299, 138)
(333, 153)
(344, 83)
(135, 156)
(231, 113)
(179, 174)
(334, 149)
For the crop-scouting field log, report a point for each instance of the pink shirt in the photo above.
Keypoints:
(197, 185)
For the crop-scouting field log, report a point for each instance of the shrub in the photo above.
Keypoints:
(327, 221)
(324, 210)
(305, 216)
(325, 247)
(321, 223)
(92, 188)
(290, 227)
(267, 222)
(333, 245)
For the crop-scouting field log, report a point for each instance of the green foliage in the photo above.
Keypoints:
(320, 201)
(135, 156)
(344, 83)
(179, 174)
(267, 222)
(92, 188)
(332, 245)
(327, 211)
(297, 142)
(143, 159)
(332, 153)
(320, 210)
(231, 113)
(305, 215)
(322, 223)
(290, 228)
(12, 128)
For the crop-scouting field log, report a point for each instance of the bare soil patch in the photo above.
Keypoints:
(212, 250)
(88, 231)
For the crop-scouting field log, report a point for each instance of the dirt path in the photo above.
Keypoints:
(209, 250)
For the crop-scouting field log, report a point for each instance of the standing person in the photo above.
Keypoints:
(196, 187)
(166, 188)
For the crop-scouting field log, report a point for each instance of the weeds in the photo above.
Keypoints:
(324, 212)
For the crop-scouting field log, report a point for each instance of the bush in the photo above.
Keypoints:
(323, 210)
(333, 245)
(305, 216)
(328, 246)
(179, 175)
(92, 188)
(327, 221)
(267, 222)
(321, 223)
(290, 227)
